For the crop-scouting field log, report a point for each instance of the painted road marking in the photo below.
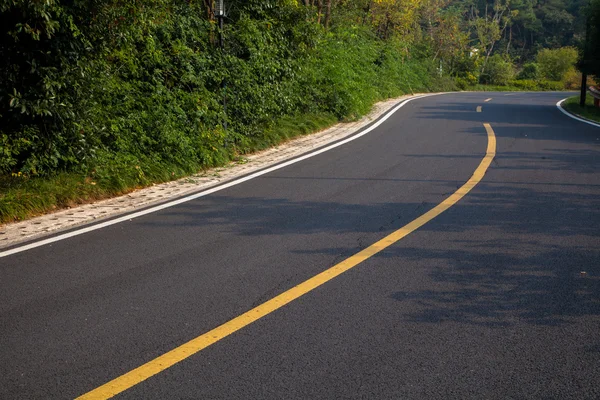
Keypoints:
(486, 100)
(192, 347)
(129, 217)
(478, 108)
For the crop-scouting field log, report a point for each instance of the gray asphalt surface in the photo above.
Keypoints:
(488, 300)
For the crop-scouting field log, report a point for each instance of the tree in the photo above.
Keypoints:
(449, 41)
(554, 64)
(390, 17)
(489, 28)
(590, 63)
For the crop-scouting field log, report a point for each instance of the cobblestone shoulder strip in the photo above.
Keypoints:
(14, 233)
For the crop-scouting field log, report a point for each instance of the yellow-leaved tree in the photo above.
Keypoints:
(390, 17)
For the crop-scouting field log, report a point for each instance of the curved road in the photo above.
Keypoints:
(498, 297)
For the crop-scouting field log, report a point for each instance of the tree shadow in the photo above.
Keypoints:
(499, 289)
(529, 257)
(524, 251)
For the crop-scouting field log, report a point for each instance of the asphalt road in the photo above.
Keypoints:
(498, 297)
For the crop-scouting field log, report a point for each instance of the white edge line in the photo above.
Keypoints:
(562, 110)
(234, 182)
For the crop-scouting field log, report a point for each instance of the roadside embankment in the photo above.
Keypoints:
(588, 112)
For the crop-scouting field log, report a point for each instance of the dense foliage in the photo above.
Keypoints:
(105, 84)
(128, 91)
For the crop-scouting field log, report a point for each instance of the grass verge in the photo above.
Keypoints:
(589, 111)
(521, 86)
(23, 197)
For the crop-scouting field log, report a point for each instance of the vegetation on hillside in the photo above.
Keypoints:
(116, 94)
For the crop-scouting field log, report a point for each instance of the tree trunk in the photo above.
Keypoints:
(583, 90)
(487, 56)
(327, 14)
(319, 10)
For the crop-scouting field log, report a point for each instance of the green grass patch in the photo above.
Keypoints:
(289, 127)
(525, 85)
(23, 197)
(589, 111)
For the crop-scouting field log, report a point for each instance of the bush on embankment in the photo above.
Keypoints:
(99, 97)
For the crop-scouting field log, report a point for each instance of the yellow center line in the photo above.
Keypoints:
(486, 100)
(478, 108)
(201, 342)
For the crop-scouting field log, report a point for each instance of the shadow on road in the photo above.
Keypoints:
(522, 247)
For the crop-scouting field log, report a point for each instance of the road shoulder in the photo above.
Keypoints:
(19, 232)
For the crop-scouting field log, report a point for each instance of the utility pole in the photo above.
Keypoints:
(583, 90)
(220, 14)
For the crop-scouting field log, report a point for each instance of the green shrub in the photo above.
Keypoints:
(529, 71)
(554, 64)
(551, 85)
(525, 84)
(462, 83)
(466, 67)
(498, 71)
(572, 79)
(537, 85)
(111, 88)
(41, 83)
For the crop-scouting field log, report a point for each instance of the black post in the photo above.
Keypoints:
(583, 90)
(583, 60)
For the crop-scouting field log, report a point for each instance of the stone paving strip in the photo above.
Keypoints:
(13, 233)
